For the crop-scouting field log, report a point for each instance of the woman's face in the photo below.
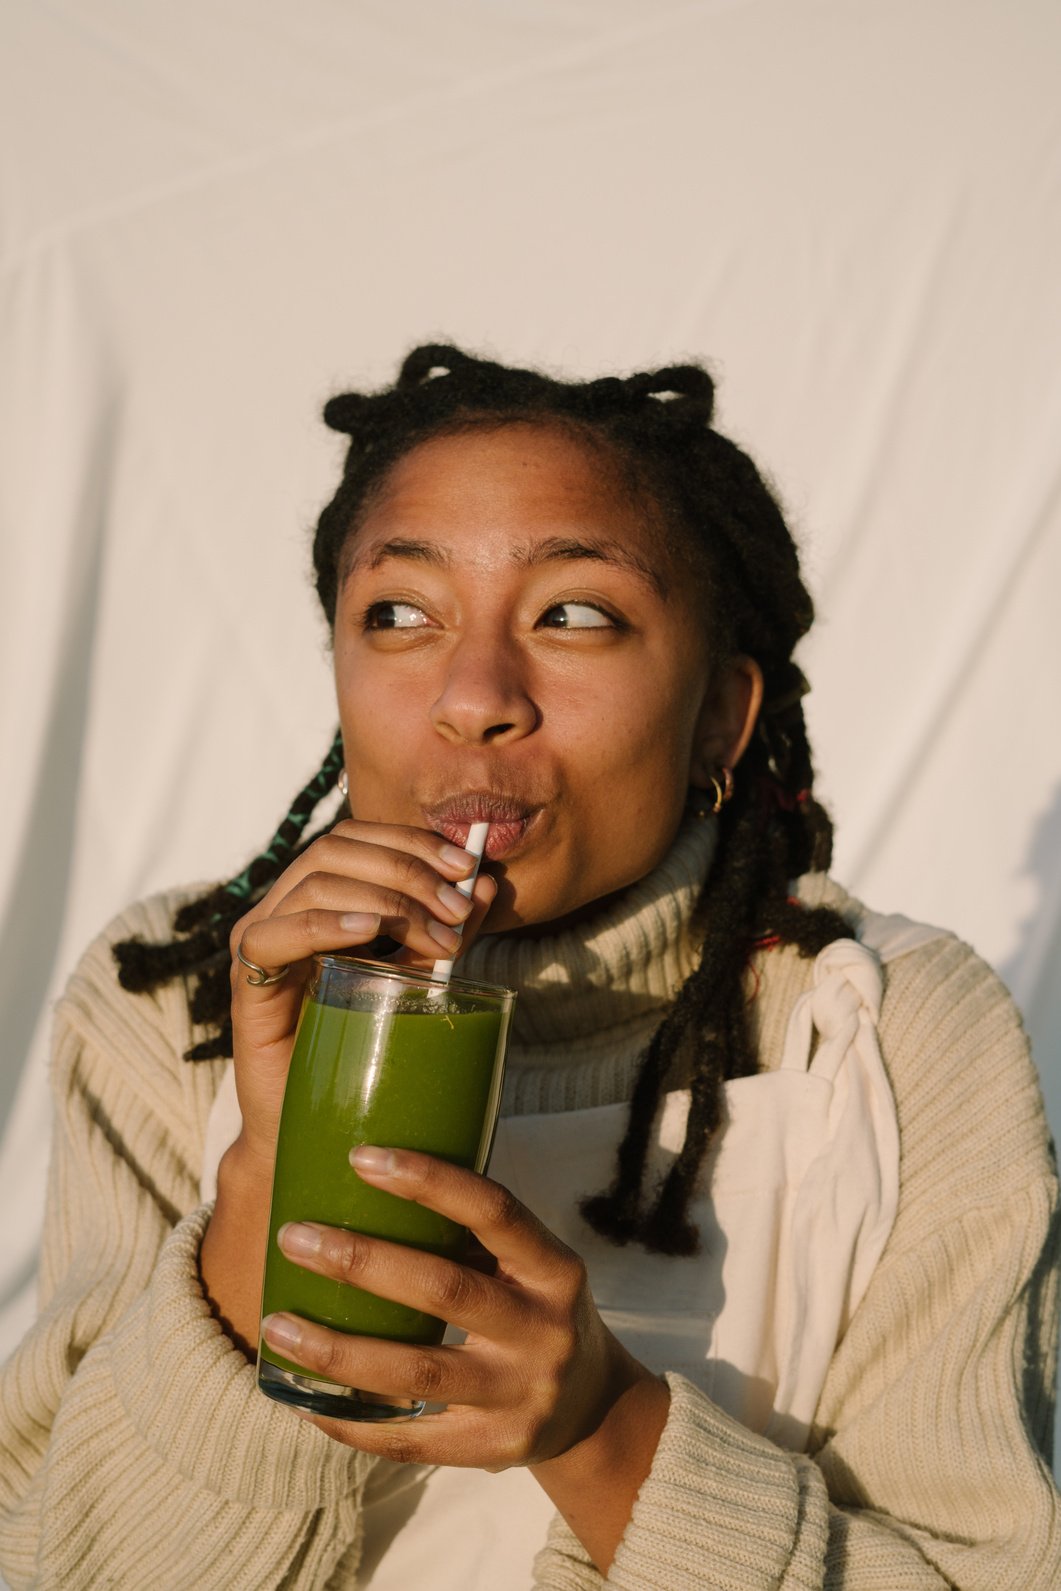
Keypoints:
(511, 644)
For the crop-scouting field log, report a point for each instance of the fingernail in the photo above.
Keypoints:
(454, 901)
(360, 923)
(453, 856)
(295, 1237)
(282, 1331)
(374, 1162)
(443, 935)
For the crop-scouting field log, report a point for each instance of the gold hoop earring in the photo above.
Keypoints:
(723, 790)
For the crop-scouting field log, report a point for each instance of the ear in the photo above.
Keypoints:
(726, 720)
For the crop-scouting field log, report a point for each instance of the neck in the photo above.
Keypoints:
(591, 992)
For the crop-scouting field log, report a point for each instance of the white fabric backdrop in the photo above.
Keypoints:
(214, 215)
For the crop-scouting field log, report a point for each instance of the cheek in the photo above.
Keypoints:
(369, 695)
(642, 728)
(373, 736)
(632, 790)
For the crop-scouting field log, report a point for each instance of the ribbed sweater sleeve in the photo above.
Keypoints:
(138, 1451)
(929, 1464)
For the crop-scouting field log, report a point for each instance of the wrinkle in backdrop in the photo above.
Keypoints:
(212, 218)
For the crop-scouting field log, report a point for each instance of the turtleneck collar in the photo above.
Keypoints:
(615, 971)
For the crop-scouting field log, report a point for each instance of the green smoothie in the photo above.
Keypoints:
(424, 1074)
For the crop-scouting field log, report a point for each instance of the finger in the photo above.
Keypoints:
(390, 1369)
(435, 849)
(341, 861)
(484, 893)
(465, 1438)
(416, 906)
(359, 928)
(351, 848)
(331, 892)
(368, 911)
(462, 1295)
(524, 1248)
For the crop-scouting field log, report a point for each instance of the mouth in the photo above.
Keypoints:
(509, 819)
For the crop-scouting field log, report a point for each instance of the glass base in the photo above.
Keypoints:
(332, 1399)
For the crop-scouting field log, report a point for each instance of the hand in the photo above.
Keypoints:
(359, 880)
(538, 1370)
(539, 1380)
(349, 886)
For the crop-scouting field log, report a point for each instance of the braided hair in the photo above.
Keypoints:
(203, 925)
(654, 429)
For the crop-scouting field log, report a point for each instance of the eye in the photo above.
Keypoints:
(576, 616)
(394, 616)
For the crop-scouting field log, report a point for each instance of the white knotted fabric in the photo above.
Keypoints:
(802, 1187)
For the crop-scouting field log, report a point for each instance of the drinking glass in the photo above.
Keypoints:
(390, 1056)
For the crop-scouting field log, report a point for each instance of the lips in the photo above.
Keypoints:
(509, 819)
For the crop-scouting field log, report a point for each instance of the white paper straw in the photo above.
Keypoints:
(476, 844)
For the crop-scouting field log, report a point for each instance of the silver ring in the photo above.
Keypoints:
(263, 977)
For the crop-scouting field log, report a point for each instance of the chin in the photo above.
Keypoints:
(538, 919)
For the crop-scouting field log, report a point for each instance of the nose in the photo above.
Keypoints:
(485, 698)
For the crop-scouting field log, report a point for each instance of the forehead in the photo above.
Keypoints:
(520, 481)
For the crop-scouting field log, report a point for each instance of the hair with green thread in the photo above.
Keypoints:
(203, 925)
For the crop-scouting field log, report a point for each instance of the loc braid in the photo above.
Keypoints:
(203, 925)
(616, 1214)
(733, 886)
(667, 1228)
(267, 866)
(142, 967)
(745, 899)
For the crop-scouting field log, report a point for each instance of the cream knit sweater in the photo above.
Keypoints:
(137, 1452)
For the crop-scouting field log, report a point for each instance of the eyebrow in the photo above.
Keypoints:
(553, 549)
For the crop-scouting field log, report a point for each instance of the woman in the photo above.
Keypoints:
(768, 1294)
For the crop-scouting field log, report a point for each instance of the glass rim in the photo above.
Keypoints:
(463, 986)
